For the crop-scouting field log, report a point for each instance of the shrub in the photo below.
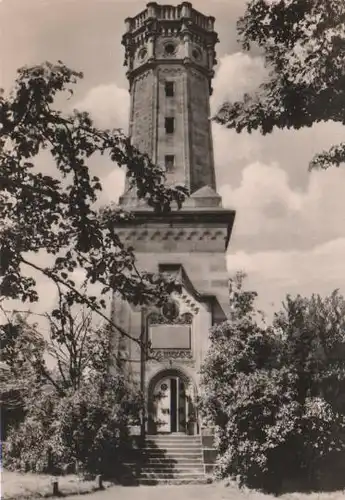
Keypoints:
(270, 391)
(77, 410)
(87, 427)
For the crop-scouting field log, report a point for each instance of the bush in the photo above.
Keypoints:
(87, 428)
(270, 391)
(77, 411)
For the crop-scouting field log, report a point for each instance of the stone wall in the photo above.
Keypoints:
(142, 112)
(202, 173)
(191, 141)
(206, 270)
(177, 143)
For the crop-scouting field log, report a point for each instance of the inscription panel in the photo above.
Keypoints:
(170, 336)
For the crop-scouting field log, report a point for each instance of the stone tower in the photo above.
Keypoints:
(170, 55)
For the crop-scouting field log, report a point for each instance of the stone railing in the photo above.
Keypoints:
(172, 13)
(140, 19)
(168, 12)
(207, 23)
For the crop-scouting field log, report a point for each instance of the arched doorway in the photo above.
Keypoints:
(171, 403)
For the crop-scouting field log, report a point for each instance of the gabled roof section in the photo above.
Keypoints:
(179, 273)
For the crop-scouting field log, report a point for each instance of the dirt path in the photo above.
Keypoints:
(190, 492)
(198, 492)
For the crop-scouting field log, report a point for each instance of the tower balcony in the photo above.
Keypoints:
(184, 11)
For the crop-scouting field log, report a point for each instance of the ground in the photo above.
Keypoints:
(198, 492)
(17, 486)
(29, 486)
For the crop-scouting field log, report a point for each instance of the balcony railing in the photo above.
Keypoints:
(170, 13)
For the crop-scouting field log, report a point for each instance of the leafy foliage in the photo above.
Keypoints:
(55, 213)
(303, 42)
(78, 407)
(273, 393)
(76, 410)
(22, 354)
(86, 429)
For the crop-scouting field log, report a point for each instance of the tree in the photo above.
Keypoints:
(78, 409)
(274, 392)
(56, 213)
(22, 349)
(233, 375)
(63, 357)
(303, 43)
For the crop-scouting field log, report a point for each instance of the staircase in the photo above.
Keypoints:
(170, 459)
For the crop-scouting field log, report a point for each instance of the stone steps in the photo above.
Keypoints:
(170, 459)
(173, 456)
(172, 481)
(168, 468)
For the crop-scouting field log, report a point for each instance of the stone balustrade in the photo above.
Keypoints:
(169, 13)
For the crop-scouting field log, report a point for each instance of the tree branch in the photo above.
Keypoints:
(82, 297)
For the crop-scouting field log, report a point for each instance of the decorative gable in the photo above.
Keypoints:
(180, 328)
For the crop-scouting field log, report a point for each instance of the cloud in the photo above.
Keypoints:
(290, 149)
(279, 204)
(289, 233)
(113, 186)
(108, 105)
(229, 146)
(273, 274)
(272, 214)
(237, 74)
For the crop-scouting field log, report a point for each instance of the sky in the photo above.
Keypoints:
(289, 233)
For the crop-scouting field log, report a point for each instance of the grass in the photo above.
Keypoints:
(15, 485)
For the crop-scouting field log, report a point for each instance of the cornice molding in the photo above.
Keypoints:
(178, 225)
(153, 63)
(172, 234)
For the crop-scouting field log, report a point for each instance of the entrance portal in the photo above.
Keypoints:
(170, 405)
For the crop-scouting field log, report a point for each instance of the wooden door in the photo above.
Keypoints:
(163, 406)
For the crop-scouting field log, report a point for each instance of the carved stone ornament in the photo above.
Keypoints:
(161, 354)
(142, 54)
(163, 234)
(173, 70)
(159, 319)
